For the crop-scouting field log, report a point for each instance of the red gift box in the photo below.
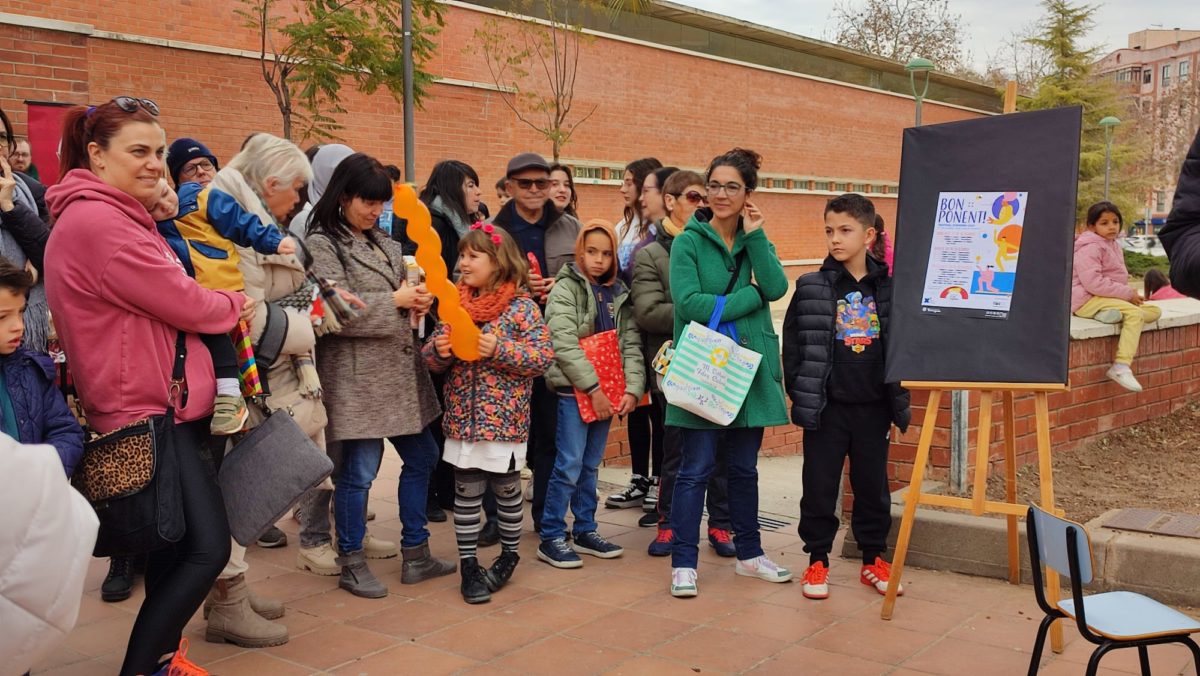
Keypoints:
(603, 351)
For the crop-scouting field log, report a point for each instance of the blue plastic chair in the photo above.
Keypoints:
(1111, 620)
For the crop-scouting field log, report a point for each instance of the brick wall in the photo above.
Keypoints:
(1167, 365)
(802, 127)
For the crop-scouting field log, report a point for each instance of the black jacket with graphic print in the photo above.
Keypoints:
(809, 333)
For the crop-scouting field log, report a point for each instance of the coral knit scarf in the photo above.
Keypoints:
(488, 306)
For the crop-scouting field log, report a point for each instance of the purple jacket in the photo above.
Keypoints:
(1099, 270)
(42, 413)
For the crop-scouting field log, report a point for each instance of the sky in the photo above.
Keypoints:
(986, 27)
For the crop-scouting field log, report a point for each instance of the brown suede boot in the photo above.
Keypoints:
(268, 609)
(419, 565)
(232, 619)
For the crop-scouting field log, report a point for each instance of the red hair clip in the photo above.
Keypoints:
(496, 240)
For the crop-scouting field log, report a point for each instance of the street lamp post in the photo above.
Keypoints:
(959, 398)
(1109, 123)
(409, 132)
(918, 65)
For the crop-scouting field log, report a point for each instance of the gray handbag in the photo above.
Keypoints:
(266, 472)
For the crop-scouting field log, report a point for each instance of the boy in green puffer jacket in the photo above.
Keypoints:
(587, 299)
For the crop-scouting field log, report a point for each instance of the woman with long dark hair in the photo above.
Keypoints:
(562, 189)
(120, 298)
(453, 196)
(376, 385)
(634, 230)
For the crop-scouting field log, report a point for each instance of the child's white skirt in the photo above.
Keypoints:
(490, 456)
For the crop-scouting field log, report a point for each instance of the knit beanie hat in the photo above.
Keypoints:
(185, 150)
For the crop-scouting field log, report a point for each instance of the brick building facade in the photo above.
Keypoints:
(819, 135)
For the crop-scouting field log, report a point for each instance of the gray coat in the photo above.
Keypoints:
(376, 384)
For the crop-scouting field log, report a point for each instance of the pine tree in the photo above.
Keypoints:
(1070, 82)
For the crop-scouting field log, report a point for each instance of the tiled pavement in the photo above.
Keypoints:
(613, 617)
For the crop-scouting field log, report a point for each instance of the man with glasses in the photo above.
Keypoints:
(190, 161)
(540, 229)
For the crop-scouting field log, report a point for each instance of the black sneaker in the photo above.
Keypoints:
(650, 503)
(632, 496)
(118, 584)
(272, 538)
(474, 585)
(648, 520)
(559, 554)
(502, 569)
(594, 545)
(434, 513)
(489, 534)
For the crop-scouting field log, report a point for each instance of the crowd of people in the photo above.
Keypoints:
(137, 270)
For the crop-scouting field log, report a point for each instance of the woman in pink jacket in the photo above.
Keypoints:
(1100, 288)
(119, 297)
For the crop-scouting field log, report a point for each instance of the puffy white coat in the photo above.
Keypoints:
(46, 540)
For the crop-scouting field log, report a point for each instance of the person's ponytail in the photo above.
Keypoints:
(73, 152)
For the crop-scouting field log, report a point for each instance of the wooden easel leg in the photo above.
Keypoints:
(1010, 475)
(1046, 477)
(911, 500)
(983, 439)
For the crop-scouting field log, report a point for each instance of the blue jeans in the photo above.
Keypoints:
(576, 465)
(740, 446)
(360, 466)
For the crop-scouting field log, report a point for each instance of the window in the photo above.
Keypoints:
(821, 185)
(1185, 68)
(1147, 76)
(1160, 200)
(588, 172)
(1165, 81)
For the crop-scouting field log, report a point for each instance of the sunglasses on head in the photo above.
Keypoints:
(527, 183)
(130, 104)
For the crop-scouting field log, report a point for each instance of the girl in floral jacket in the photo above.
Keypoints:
(487, 401)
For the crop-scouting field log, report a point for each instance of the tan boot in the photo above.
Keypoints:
(321, 560)
(233, 620)
(378, 548)
(419, 565)
(268, 609)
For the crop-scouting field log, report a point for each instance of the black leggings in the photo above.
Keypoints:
(178, 578)
(224, 355)
(646, 431)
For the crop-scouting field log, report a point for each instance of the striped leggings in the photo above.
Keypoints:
(469, 486)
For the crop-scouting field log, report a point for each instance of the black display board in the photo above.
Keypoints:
(984, 240)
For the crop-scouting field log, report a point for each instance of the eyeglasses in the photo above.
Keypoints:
(527, 183)
(192, 169)
(731, 189)
(130, 104)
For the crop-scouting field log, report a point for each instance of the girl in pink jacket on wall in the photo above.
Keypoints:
(1100, 288)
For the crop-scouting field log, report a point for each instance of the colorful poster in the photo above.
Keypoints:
(973, 258)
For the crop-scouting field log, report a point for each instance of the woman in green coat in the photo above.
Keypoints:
(718, 244)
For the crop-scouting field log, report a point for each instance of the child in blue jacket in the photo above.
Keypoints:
(32, 410)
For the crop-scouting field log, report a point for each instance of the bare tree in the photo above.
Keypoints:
(902, 29)
(1020, 60)
(535, 65)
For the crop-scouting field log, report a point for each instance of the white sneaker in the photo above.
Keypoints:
(378, 548)
(683, 582)
(321, 560)
(764, 569)
(1109, 316)
(1123, 376)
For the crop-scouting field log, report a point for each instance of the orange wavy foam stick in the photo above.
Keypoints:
(464, 335)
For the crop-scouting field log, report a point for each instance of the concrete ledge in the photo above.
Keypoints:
(1161, 567)
(1176, 312)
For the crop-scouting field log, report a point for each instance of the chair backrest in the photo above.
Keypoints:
(1053, 540)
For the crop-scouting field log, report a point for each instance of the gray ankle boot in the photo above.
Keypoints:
(357, 578)
(419, 565)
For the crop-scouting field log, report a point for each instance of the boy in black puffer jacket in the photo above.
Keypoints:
(833, 356)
